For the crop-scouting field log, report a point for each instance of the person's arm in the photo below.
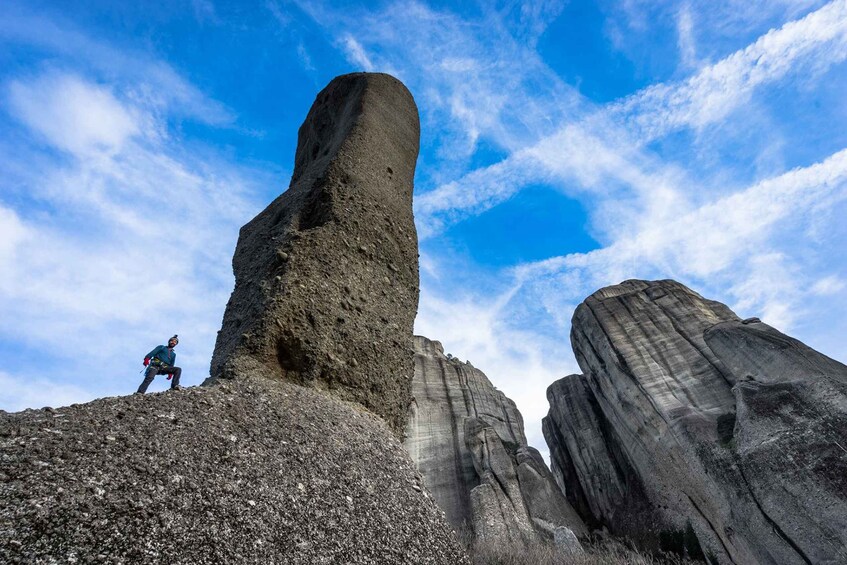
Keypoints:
(156, 350)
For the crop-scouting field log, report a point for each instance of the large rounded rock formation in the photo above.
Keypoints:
(691, 429)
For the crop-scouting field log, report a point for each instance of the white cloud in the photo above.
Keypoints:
(604, 150)
(155, 84)
(278, 14)
(828, 286)
(305, 58)
(18, 393)
(356, 53)
(12, 233)
(685, 37)
(470, 80)
(769, 289)
(732, 238)
(632, 186)
(810, 45)
(72, 114)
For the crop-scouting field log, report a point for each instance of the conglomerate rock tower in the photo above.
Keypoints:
(326, 277)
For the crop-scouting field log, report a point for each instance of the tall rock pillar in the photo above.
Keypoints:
(326, 277)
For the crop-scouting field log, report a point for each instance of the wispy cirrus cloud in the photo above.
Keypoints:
(596, 151)
(356, 53)
(686, 41)
(472, 79)
(150, 81)
(73, 115)
(711, 238)
(808, 47)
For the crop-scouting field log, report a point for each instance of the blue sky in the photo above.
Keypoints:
(565, 146)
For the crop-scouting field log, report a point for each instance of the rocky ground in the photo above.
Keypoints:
(248, 472)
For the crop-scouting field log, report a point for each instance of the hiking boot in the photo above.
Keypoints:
(177, 387)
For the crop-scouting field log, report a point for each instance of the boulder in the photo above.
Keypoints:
(499, 514)
(542, 496)
(326, 277)
(588, 463)
(790, 434)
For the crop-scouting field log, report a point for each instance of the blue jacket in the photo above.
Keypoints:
(162, 354)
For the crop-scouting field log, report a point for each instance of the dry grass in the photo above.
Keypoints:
(604, 553)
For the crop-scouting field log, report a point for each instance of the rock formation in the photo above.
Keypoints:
(259, 469)
(694, 430)
(326, 277)
(468, 442)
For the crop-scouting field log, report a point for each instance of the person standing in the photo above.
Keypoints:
(161, 361)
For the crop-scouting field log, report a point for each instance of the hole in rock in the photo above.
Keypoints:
(726, 427)
(317, 210)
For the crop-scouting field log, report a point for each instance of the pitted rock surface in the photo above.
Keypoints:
(253, 471)
(467, 439)
(724, 432)
(326, 277)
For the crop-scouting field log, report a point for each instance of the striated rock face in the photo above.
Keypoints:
(326, 277)
(695, 431)
(589, 468)
(467, 440)
(253, 471)
(498, 510)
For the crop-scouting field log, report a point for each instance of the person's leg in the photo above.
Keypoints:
(177, 371)
(149, 375)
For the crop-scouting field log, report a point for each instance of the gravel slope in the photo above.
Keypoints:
(253, 471)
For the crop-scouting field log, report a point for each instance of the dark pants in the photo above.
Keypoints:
(152, 371)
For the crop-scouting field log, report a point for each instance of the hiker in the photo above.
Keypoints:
(161, 361)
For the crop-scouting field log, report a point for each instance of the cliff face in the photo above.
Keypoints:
(467, 440)
(326, 277)
(721, 435)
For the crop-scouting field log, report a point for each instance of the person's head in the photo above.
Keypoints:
(173, 341)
